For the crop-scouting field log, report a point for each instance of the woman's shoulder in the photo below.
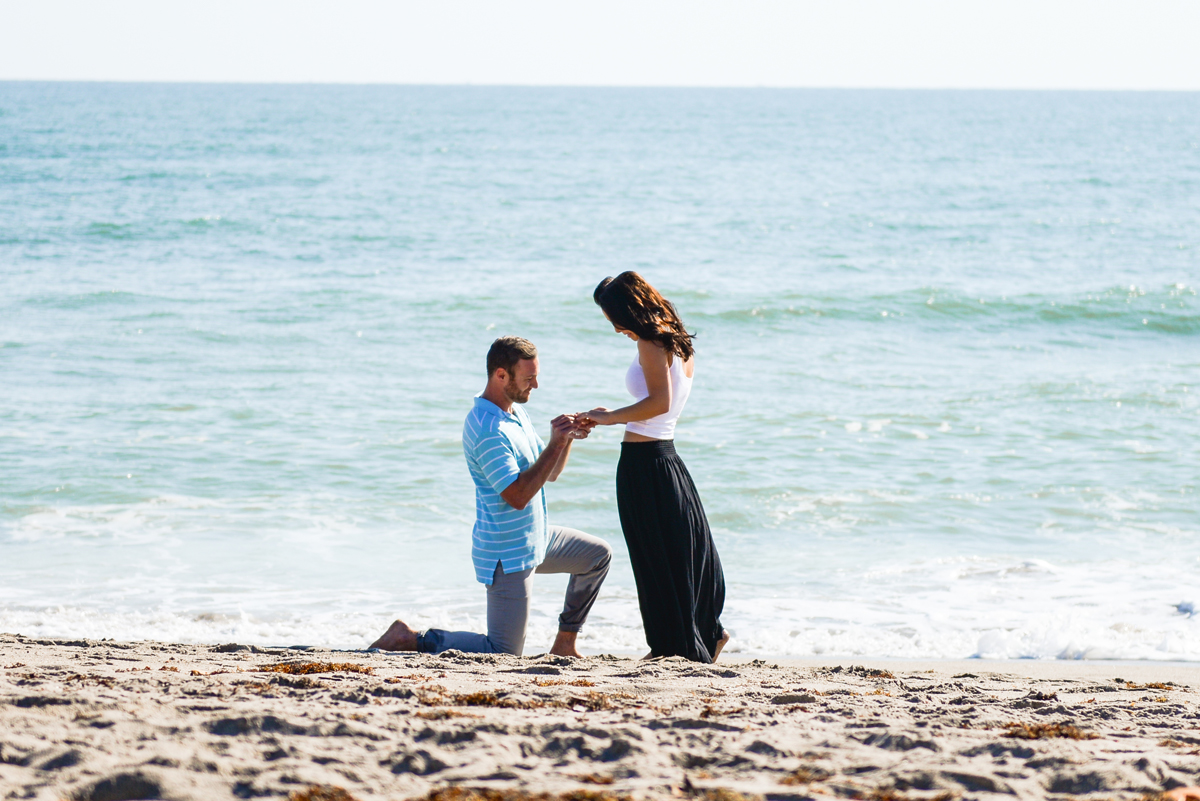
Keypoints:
(652, 354)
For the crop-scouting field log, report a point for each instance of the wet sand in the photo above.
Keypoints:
(106, 721)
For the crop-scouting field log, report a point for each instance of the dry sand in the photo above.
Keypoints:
(107, 721)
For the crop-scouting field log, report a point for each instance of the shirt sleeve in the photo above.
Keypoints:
(497, 460)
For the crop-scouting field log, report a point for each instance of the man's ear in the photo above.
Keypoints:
(501, 373)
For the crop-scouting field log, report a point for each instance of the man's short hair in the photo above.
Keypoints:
(506, 352)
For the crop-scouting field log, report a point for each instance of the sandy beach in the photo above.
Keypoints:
(107, 721)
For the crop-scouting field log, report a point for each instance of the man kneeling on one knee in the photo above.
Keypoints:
(510, 464)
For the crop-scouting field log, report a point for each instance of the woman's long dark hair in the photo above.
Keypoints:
(631, 303)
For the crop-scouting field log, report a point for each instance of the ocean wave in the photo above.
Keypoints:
(1172, 309)
(327, 581)
(761, 627)
(117, 231)
(86, 300)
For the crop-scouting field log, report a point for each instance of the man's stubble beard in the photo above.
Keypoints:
(514, 394)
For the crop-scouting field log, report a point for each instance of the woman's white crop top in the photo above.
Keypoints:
(663, 426)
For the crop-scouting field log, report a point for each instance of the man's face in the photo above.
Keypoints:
(522, 380)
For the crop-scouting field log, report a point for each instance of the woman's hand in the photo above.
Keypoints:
(578, 429)
(599, 416)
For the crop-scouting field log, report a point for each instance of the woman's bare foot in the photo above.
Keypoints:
(721, 644)
(564, 645)
(398, 637)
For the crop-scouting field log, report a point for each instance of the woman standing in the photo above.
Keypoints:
(681, 588)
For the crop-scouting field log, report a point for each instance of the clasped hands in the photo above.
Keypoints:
(578, 426)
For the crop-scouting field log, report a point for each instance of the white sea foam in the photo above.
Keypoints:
(940, 608)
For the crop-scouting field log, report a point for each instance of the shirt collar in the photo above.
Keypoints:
(490, 408)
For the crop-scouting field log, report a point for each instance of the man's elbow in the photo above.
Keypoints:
(515, 500)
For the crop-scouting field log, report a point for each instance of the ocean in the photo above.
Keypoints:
(947, 374)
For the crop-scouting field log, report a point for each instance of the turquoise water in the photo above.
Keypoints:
(948, 356)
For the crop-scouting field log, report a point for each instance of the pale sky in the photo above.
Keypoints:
(1018, 44)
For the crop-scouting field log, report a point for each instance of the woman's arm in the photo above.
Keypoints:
(653, 358)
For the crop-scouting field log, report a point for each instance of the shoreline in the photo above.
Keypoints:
(1029, 667)
(1137, 669)
(91, 720)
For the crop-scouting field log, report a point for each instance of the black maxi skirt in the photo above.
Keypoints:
(680, 584)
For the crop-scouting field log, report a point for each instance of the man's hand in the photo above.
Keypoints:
(579, 428)
(560, 430)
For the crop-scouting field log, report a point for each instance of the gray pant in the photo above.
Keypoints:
(585, 557)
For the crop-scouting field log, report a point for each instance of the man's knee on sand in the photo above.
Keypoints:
(436, 641)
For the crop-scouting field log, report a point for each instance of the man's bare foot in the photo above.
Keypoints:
(721, 644)
(398, 637)
(1182, 794)
(564, 644)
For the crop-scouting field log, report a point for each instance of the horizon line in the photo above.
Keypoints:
(472, 85)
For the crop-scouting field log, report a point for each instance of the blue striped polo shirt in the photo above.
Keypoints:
(500, 446)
